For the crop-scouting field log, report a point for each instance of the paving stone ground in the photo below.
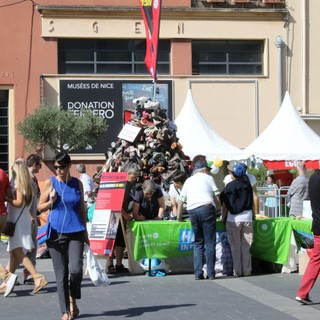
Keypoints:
(175, 296)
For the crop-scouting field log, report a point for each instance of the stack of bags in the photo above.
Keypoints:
(156, 149)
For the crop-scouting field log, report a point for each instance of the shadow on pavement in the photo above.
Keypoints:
(134, 312)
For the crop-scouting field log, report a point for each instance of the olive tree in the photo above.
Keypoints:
(60, 129)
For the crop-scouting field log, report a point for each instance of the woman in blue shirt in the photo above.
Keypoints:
(63, 196)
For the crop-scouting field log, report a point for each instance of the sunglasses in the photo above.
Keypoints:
(59, 167)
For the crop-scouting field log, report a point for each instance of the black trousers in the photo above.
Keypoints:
(66, 251)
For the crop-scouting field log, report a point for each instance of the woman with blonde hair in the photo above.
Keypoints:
(18, 212)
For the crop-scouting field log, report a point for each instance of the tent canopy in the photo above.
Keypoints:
(287, 137)
(197, 137)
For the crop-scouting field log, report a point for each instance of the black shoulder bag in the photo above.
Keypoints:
(11, 226)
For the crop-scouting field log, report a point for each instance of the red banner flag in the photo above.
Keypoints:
(151, 10)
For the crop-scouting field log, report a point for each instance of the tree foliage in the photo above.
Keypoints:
(61, 130)
(260, 173)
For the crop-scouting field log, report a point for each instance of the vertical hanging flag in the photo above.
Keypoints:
(150, 10)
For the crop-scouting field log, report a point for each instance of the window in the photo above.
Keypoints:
(233, 57)
(109, 56)
(4, 130)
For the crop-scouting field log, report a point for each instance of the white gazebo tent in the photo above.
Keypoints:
(197, 137)
(287, 137)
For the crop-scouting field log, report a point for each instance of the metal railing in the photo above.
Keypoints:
(273, 206)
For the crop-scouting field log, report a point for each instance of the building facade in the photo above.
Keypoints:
(238, 58)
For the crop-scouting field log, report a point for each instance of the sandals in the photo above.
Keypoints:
(66, 316)
(43, 282)
(74, 310)
(10, 283)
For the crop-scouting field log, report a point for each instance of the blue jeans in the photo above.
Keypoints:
(203, 221)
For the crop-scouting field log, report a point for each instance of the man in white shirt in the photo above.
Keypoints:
(87, 182)
(200, 193)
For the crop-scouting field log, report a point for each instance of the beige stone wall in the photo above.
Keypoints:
(235, 98)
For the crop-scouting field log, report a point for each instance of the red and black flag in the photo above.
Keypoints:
(151, 10)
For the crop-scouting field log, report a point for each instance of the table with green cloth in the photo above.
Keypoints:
(272, 237)
(166, 239)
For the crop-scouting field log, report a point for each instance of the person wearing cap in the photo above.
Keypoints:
(229, 177)
(298, 191)
(253, 182)
(237, 212)
(200, 193)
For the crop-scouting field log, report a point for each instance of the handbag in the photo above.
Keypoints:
(11, 226)
(94, 268)
(44, 232)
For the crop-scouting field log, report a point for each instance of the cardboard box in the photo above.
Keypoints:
(303, 262)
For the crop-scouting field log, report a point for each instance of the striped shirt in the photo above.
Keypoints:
(298, 191)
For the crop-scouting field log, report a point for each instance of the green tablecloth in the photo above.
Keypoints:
(302, 232)
(167, 239)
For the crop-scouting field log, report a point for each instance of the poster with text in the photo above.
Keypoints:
(108, 99)
(103, 98)
(107, 212)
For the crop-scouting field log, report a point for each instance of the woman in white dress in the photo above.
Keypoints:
(21, 242)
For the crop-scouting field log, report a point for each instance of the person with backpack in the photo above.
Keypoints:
(237, 212)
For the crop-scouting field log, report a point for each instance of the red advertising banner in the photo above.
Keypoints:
(290, 164)
(151, 10)
(107, 212)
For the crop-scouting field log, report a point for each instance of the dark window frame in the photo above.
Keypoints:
(89, 49)
(211, 67)
(4, 129)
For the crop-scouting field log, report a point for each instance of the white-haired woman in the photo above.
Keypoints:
(148, 203)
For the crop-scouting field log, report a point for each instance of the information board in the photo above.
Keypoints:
(107, 212)
(108, 99)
